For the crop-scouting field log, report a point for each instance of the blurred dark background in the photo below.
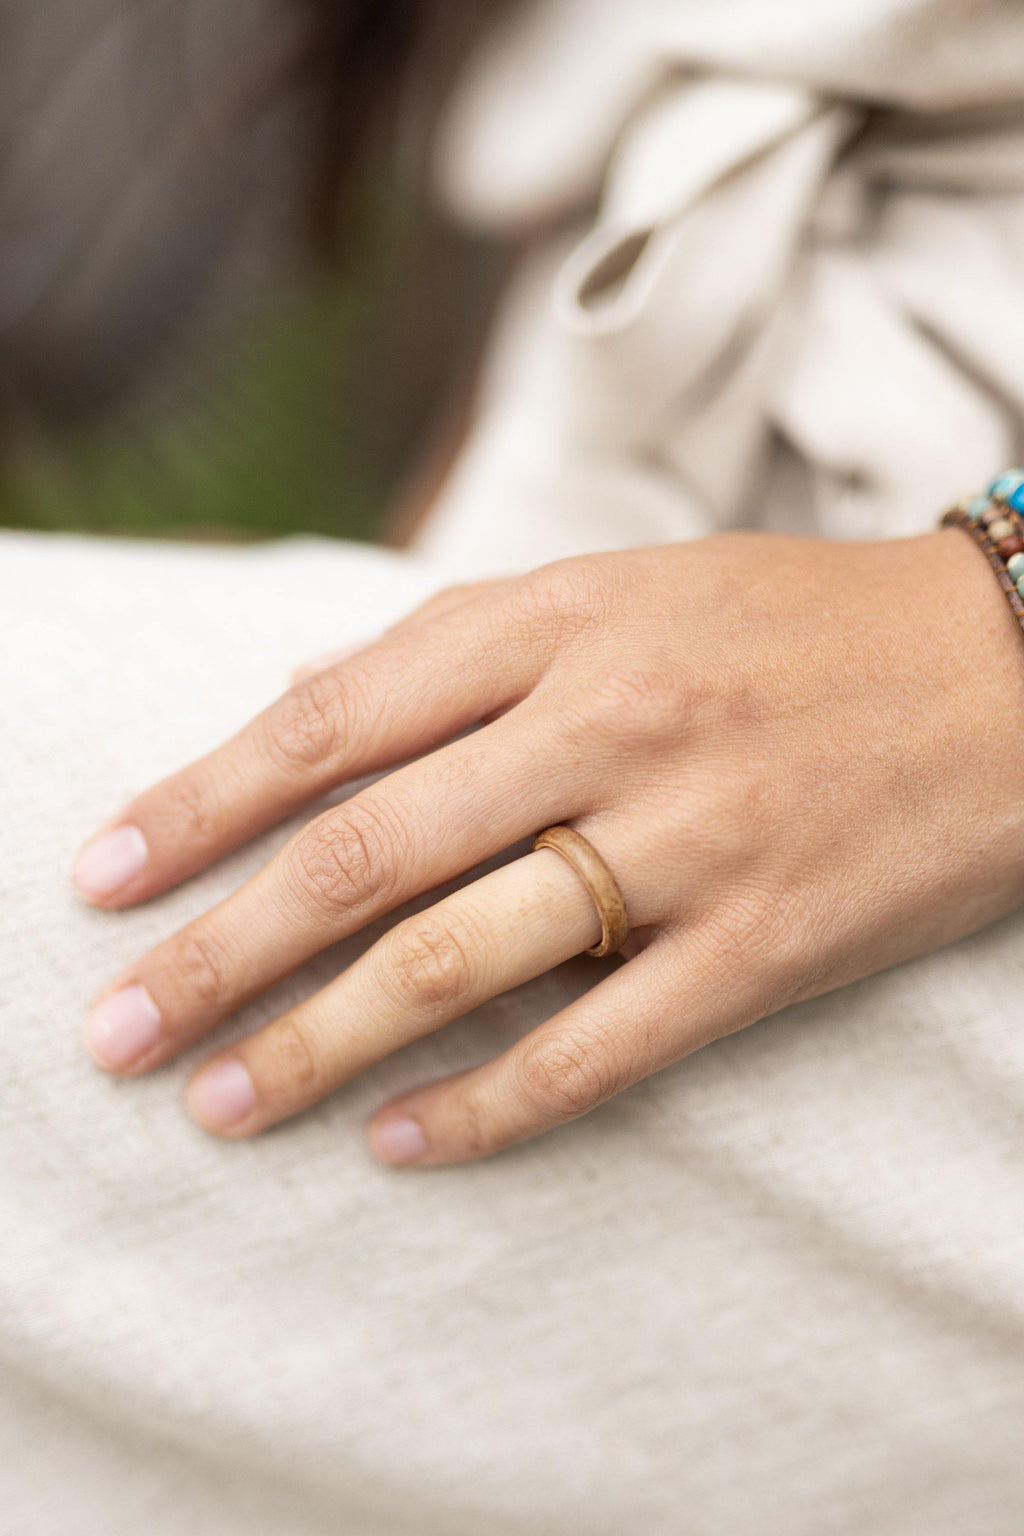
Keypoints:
(228, 306)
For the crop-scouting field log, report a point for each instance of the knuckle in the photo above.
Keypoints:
(766, 930)
(730, 704)
(565, 1076)
(641, 704)
(201, 968)
(428, 963)
(473, 1132)
(745, 706)
(348, 857)
(297, 1065)
(306, 726)
(753, 803)
(192, 809)
(574, 595)
(736, 813)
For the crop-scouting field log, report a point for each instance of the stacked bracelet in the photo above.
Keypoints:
(996, 523)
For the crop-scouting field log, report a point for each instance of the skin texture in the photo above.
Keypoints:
(800, 759)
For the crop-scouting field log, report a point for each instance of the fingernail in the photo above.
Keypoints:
(326, 659)
(222, 1094)
(123, 1027)
(110, 861)
(397, 1140)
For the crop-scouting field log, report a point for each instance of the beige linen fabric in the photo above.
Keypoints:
(776, 1289)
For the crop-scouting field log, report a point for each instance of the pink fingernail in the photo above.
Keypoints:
(397, 1140)
(123, 1027)
(222, 1094)
(110, 861)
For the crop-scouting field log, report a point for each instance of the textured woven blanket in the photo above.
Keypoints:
(776, 1289)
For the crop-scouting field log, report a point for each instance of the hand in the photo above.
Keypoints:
(800, 759)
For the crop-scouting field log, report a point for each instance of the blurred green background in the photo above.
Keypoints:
(265, 453)
(231, 306)
(307, 422)
(283, 441)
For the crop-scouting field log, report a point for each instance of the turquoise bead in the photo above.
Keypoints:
(978, 507)
(1015, 566)
(1016, 499)
(1005, 485)
(1020, 586)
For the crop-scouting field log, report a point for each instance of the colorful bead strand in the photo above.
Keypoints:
(996, 523)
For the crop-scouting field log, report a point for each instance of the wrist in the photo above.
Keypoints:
(973, 665)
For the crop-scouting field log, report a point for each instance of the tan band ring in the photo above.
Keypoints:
(599, 881)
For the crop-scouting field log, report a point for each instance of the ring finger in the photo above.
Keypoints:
(503, 930)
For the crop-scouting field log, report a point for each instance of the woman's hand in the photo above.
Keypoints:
(800, 759)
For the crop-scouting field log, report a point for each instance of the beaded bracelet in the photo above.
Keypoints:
(996, 523)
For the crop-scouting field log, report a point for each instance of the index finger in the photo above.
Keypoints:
(388, 703)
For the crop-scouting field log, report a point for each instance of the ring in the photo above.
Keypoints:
(599, 881)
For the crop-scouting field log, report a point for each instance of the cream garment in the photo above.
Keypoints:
(800, 303)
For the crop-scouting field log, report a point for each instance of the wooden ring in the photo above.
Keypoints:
(599, 881)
